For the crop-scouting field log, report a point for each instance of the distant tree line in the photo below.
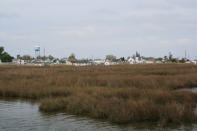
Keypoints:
(5, 57)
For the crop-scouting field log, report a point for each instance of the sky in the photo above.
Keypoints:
(96, 28)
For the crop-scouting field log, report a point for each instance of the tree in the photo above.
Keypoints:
(183, 60)
(62, 61)
(170, 56)
(137, 54)
(18, 56)
(83, 61)
(174, 60)
(72, 58)
(165, 58)
(26, 57)
(1, 51)
(38, 57)
(4, 56)
(50, 57)
(122, 59)
(159, 59)
(111, 57)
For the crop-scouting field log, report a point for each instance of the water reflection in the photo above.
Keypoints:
(194, 90)
(24, 116)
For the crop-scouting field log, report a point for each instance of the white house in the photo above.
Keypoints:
(137, 60)
(57, 62)
(158, 62)
(19, 61)
(149, 62)
(194, 62)
(98, 62)
(131, 60)
(107, 63)
(68, 62)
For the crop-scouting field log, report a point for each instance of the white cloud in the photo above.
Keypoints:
(185, 41)
(82, 32)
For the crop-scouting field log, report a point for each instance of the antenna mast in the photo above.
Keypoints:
(185, 55)
(44, 55)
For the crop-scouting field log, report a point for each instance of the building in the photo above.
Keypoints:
(136, 60)
(68, 62)
(150, 62)
(98, 62)
(18, 61)
(194, 62)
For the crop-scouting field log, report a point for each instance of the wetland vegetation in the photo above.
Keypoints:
(121, 94)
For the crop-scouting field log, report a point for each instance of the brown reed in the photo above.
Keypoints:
(120, 94)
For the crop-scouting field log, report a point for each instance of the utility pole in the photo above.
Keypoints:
(44, 55)
(185, 54)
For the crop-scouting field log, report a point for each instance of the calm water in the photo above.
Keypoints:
(24, 116)
(194, 90)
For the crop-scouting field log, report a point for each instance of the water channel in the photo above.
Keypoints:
(25, 116)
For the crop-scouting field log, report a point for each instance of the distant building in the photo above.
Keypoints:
(19, 61)
(57, 62)
(131, 60)
(14, 61)
(158, 62)
(136, 60)
(107, 63)
(193, 62)
(68, 62)
(150, 62)
(98, 62)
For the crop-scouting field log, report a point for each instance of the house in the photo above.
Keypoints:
(57, 62)
(98, 62)
(131, 60)
(149, 62)
(108, 62)
(194, 62)
(21, 62)
(158, 62)
(191, 62)
(136, 60)
(14, 61)
(68, 62)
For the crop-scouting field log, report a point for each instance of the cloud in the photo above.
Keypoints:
(104, 11)
(13, 37)
(81, 32)
(8, 15)
(185, 41)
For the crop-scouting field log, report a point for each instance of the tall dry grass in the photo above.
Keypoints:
(120, 94)
(127, 105)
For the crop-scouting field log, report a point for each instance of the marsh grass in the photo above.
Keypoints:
(127, 105)
(121, 94)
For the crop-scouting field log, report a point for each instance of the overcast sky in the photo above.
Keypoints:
(95, 28)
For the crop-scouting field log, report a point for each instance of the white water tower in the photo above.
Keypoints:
(37, 51)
